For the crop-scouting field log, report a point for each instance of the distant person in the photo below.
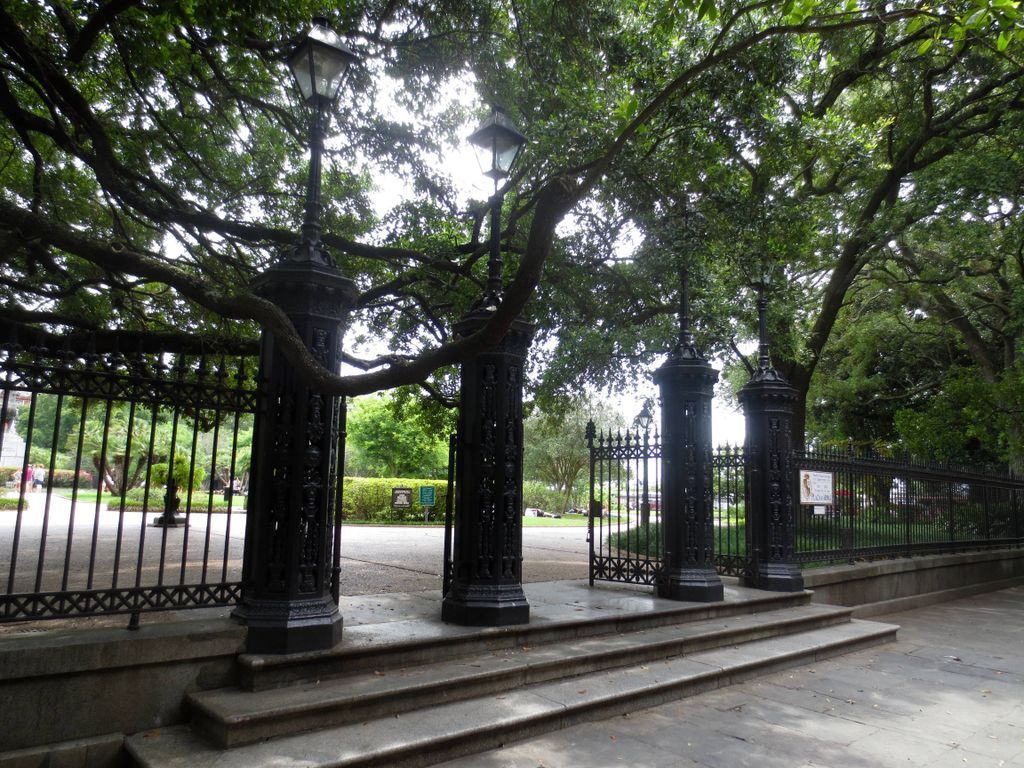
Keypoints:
(38, 477)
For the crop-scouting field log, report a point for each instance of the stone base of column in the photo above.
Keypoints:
(290, 626)
(776, 577)
(485, 605)
(169, 521)
(696, 585)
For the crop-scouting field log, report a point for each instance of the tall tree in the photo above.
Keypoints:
(151, 164)
(554, 451)
(389, 438)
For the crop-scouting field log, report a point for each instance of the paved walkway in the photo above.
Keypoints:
(949, 693)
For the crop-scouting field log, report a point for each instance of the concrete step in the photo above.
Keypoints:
(433, 734)
(383, 646)
(230, 717)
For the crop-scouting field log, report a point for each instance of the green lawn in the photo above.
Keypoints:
(812, 536)
(569, 521)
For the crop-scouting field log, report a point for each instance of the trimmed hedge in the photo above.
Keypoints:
(368, 499)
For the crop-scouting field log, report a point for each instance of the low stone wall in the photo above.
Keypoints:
(886, 586)
(85, 688)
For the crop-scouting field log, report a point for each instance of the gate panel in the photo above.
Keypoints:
(625, 510)
(732, 556)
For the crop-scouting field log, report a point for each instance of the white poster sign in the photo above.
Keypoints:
(815, 487)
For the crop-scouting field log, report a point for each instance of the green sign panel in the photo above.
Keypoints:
(427, 496)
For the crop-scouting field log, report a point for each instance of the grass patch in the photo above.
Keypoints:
(573, 521)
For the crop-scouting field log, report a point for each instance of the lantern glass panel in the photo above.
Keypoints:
(319, 64)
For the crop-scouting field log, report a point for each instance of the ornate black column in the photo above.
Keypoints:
(287, 603)
(487, 577)
(768, 404)
(687, 382)
(286, 590)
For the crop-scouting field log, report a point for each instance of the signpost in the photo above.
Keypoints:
(427, 500)
(401, 498)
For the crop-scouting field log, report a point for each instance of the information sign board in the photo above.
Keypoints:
(815, 487)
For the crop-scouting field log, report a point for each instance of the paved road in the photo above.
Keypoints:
(406, 559)
(375, 559)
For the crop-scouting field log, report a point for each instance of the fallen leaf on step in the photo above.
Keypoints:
(582, 692)
(614, 738)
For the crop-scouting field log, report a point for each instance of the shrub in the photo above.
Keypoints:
(182, 470)
(539, 495)
(368, 499)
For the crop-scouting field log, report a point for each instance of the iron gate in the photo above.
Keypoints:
(625, 531)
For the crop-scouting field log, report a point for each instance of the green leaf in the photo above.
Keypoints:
(925, 45)
(977, 19)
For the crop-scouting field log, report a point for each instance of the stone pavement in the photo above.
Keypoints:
(949, 693)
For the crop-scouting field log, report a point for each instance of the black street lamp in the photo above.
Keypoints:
(764, 362)
(498, 144)
(642, 422)
(645, 418)
(318, 64)
(487, 550)
(287, 603)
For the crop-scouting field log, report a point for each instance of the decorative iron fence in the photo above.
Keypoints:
(625, 532)
(124, 481)
(847, 507)
(864, 507)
